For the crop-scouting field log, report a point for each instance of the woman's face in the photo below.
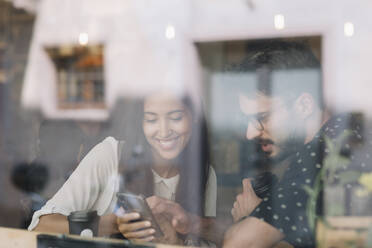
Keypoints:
(166, 125)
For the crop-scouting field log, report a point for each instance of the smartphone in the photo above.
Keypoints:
(137, 203)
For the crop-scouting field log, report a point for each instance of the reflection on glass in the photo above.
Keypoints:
(79, 75)
(292, 134)
(309, 166)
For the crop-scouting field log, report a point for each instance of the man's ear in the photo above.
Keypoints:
(305, 105)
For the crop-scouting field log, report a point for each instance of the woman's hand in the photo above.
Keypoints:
(245, 202)
(107, 225)
(138, 231)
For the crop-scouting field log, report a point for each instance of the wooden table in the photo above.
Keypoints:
(18, 238)
(344, 231)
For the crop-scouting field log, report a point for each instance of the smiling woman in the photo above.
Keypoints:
(161, 151)
(167, 126)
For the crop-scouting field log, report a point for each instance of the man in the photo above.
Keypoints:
(287, 120)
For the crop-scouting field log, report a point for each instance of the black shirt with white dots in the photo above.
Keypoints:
(285, 206)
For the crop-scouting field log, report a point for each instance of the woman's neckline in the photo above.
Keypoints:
(166, 172)
(165, 178)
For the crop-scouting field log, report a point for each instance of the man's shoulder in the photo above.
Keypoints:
(349, 137)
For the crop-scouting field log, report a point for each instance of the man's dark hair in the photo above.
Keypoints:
(283, 68)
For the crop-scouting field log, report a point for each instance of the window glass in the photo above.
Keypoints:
(196, 123)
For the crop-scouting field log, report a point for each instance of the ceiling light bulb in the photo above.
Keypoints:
(348, 29)
(83, 39)
(170, 32)
(279, 22)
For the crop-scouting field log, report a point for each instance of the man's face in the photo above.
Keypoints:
(271, 123)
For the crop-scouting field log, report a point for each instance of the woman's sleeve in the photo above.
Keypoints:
(211, 194)
(82, 189)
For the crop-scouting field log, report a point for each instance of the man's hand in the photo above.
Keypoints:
(245, 202)
(182, 221)
(169, 233)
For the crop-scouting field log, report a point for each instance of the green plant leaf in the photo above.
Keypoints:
(331, 164)
(329, 144)
(342, 161)
(308, 190)
(349, 176)
(311, 216)
(351, 244)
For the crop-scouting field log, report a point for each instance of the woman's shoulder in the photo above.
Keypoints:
(107, 148)
(212, 172)
(212, 177)
(103, 157)
(211, 193)
(108, 143)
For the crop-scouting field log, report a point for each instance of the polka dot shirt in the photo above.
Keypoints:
(285, 206)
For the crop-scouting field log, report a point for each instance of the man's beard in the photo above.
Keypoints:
(286, 148)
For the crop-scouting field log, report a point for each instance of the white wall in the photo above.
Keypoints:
(346, 60)
(139, 58)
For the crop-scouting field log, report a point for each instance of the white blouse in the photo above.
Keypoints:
(165, 187)
(94, 183)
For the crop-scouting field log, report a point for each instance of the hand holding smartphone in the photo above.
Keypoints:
(137, 203)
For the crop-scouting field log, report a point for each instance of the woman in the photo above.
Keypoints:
(167, 158)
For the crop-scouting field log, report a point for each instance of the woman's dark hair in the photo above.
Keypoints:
(136, 156)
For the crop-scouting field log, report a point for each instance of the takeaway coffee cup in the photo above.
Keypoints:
(83, 223)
